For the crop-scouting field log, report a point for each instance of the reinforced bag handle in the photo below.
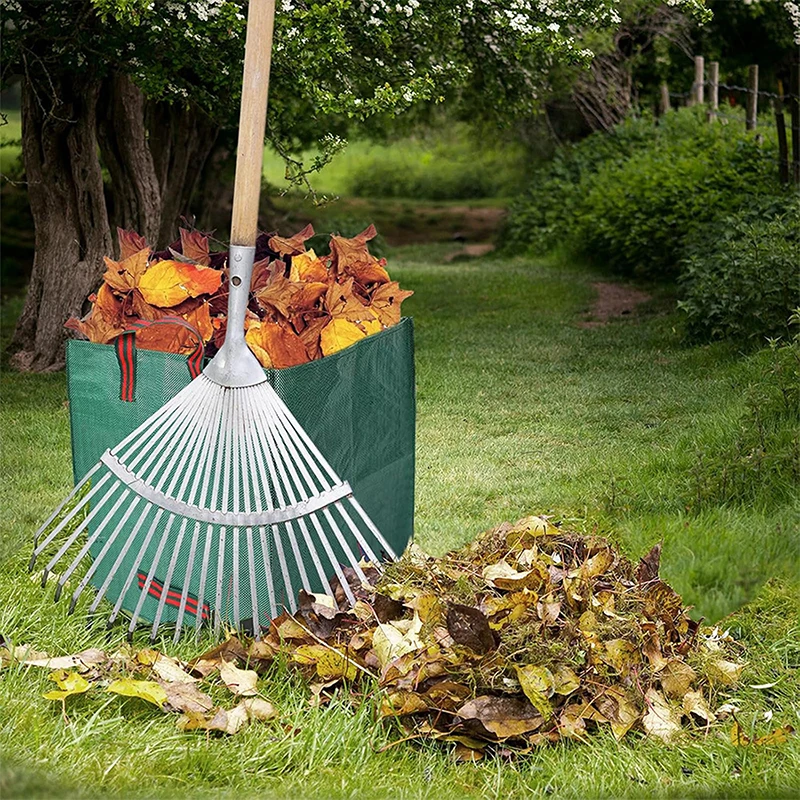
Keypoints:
(125, 348)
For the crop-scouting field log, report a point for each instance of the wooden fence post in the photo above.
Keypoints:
(665, 104)
(696, 97)
(713, 89)
(783, 149)
(752, 98)
(794, 106)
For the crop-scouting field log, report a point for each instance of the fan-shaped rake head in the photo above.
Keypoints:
(217, 509)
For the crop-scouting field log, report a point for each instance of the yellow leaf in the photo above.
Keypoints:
(661, 720)
(371, 326)
(566, 681)
(239, 681)
(694, 703)
(69, 683)
(538, 683)
(338, 334)
(331, 664)
(724, 672)
(168, 283)
(145, 690)
(676, 678)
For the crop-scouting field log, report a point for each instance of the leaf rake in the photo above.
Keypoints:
(219, 504)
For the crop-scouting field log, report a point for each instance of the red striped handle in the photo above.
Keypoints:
(125, 346)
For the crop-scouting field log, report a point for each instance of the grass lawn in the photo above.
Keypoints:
(520, 411)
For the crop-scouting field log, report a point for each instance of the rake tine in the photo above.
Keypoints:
(187, 577)
(135, 566)
(205, 469)
(272, 463)
(64, 522)
(115, 566)
(251, 561)
(90, 541)
(235, 538)
(198, 620)
(287, 581)
(220, 581)
(150, 574)
(79, 530)
(273, 608)
(334, 561)
(168, 581)
(345, 545)
(373, 530)
(313, 551)
(69, 497)
(95, 563)
(368, 552)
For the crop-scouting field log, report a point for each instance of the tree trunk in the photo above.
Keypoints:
(155, 155)
(181, 140)
(65, 189)
(135, 192)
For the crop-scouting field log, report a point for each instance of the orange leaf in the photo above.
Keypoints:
(195, 246)
(200, 318)
(107, 306)
(338, 334)
(307, 295)
(253, 337)
(130, 243)
(293, 244)
(283, 346)
(342, 303)
(167, 283)
(347, 252)
(125, 275)
(365, 272)
(386, 302)
(308, 267)
(278, 292)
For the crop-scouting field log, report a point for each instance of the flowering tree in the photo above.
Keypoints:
(153, 86)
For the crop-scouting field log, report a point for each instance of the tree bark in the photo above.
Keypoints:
(181, 140)
(155, 155)
(134, 189)
(65, 188)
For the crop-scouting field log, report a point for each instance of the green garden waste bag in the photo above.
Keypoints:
(357, 405)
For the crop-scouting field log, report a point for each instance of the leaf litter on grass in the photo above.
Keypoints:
(528, 635)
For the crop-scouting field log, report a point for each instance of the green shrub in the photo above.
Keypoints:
(443, 165)
(741, 277)
(760, 464)
(629, 200)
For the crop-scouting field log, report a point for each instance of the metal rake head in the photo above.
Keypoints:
(217, 509)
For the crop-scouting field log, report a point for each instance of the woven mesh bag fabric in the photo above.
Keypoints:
(357, 405)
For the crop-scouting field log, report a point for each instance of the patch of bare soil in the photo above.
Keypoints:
(612, 301)
(470, 251)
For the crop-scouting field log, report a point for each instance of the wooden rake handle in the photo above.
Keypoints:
(252, 122)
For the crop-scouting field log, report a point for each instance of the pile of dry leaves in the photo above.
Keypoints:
(526, 636)
(302, 306)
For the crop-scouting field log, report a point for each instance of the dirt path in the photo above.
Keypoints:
(613, 300)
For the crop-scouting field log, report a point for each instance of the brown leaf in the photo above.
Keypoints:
(239, 681)
(130, 243)
(187, 698)
(470, 628)
(500, 717)
(649, 565)
(291, 245)
(230, 650)
(676, 678)
(386, 301)
(123, 276)
(194, 245)
(348, 252)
